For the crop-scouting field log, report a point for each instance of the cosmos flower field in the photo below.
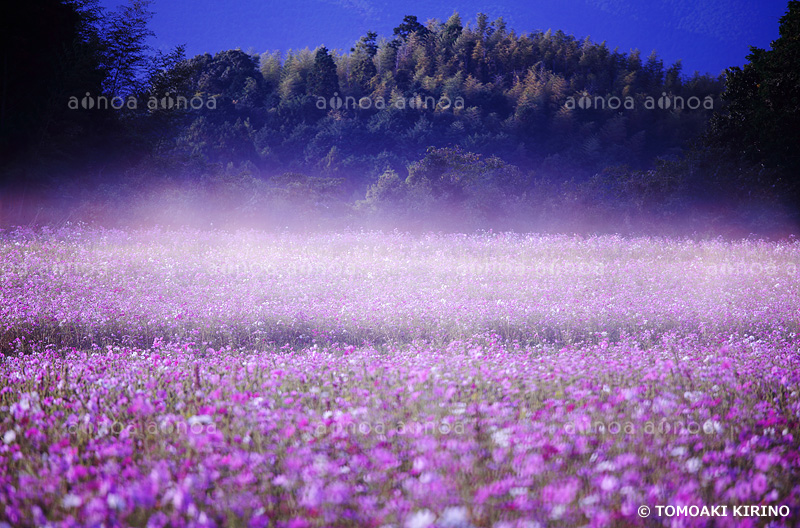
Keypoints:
(211, 378)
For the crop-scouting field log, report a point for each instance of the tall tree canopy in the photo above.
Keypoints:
(323, 80)
(762, 118)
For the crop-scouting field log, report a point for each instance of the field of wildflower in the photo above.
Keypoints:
(242, 378)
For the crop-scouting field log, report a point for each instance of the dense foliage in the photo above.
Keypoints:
(760, 125)
(480, 87)
(568, 117)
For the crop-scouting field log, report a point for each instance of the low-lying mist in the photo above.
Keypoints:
(299, 203)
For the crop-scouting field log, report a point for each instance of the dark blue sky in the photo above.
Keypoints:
(709, 35)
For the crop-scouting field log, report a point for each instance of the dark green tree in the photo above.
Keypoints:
(126, 56)
(232, 75)
(410, 26)
(452, 30)
(49, 51)
(452, 174)
(761, 120)
(323, 80)
(653, 74)
(364, 54)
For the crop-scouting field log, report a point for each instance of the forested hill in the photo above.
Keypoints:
(477, 85)
(531, 99)
(456, 113)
